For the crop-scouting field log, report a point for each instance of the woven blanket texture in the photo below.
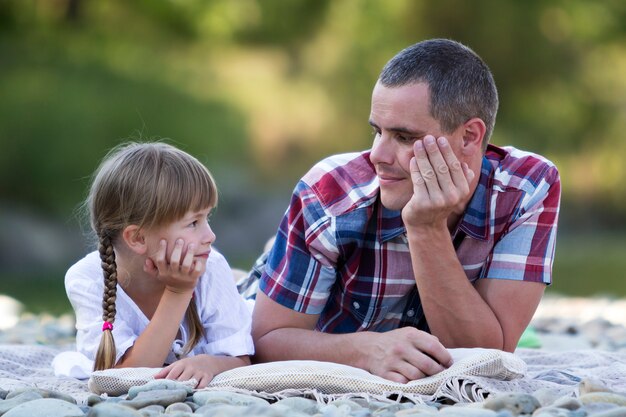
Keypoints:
(476, 374)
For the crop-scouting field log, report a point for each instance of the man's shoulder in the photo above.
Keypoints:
(518, 169)
(343, 182)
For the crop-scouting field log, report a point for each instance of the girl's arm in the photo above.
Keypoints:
(201, 367)
(154, 344)
(152, 347)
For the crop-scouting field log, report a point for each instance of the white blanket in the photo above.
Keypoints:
(560, 372)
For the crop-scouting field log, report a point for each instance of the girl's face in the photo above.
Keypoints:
(192, 228)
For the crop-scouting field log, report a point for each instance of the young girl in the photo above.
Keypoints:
(156, 293)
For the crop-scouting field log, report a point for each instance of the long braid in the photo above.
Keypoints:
(194, 326)
(105, 357)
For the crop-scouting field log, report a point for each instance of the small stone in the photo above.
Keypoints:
(546, 396)
(158, 384)
(595, 408)
(221, 410)
(588, 385)
(392, 408)
(150, 413)
(94, 399)
(616, 412)
(24, 397)
(416, 412)
(154, 408)
(107, 409)
(3, 394)
(303, 405)
(178, 407)
(569, 403)
(225, 397)
(551, 412)
(348, 403)
(466, 411)
(45, 407)
(283, 410)
(45, 393)
(603, 397)
(517, 403)
(163, 397)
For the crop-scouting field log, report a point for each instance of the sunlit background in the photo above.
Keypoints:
(261, 89)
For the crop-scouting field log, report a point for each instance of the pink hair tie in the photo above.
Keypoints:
(107, 326)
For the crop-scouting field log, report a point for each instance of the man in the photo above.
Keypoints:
(431, 240)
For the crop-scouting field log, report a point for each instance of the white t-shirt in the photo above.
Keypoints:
(224, 315)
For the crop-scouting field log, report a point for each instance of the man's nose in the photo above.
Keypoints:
(381, 150)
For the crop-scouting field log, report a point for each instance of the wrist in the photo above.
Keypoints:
(362, 355)
(177, 291)
(425, 231)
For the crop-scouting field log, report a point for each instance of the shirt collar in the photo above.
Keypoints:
(476, 219)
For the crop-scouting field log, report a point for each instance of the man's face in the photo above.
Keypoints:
(400, 116)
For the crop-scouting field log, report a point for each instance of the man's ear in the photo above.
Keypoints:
(473, 134)
(135, 239)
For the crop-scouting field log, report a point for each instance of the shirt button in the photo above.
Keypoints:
(410, 313)
(356, 305)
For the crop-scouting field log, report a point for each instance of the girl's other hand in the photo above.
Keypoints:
(202, 368)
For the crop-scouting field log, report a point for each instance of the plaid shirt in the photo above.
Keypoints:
(341, 254)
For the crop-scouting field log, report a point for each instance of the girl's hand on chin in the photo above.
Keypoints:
(181, 273)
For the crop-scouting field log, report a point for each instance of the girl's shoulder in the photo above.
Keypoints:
(84, 277)
(86, 269)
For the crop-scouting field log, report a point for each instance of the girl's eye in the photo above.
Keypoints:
(194, 223)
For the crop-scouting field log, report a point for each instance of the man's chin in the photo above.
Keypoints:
(392, 203)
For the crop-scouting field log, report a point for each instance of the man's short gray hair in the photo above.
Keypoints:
(460, 83)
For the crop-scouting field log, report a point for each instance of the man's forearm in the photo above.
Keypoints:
(300, 344)
(455, 311)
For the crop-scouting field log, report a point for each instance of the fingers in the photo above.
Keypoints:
(433, 161)
(183, 371)
(410, 354)
(455, 169)
(204, 381)
(161, 256)
(187, 263)
(150, 267)
(176, 255)
(419, 184)
(162, 373)
(432, 348)
(445, 178)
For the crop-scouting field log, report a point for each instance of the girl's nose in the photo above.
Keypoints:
(209, 237)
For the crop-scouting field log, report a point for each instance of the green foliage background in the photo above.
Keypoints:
(261, 89)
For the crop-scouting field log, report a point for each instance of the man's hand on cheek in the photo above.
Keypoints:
(441, 183)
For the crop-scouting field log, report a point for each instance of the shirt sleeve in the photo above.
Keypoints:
(84, 285)
(301, 267)
(224, 314)
(526, 251)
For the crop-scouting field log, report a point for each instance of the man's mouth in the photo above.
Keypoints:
(388, 179)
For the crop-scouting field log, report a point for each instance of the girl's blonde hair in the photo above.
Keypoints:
(148, 185)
